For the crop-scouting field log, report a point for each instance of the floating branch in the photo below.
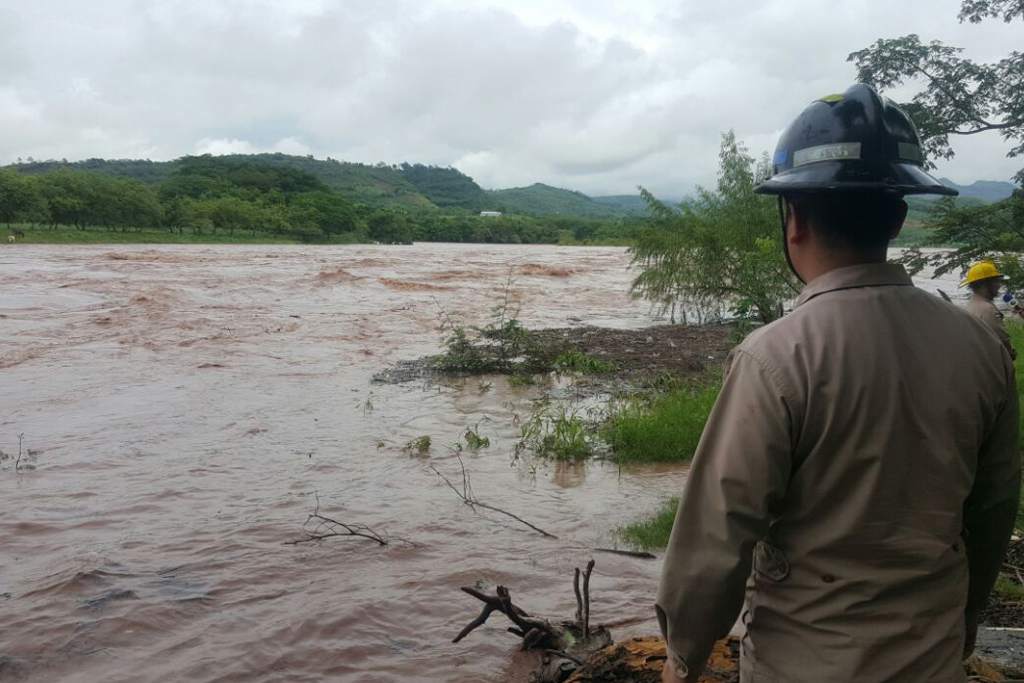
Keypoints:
(326, 527)
(468, 497)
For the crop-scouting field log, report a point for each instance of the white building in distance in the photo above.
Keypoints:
(490, 213)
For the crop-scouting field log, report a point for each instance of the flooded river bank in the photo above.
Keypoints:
(184, 405)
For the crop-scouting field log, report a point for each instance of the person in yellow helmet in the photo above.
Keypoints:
(985, 281)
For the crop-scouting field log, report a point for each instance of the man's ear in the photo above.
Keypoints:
(899, 218)
(798, 230)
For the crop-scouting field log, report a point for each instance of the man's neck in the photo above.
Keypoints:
(833, 259)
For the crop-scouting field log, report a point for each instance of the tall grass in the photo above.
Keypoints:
(1016, 331)
(651, 533)
(662, 429)
(670, 427)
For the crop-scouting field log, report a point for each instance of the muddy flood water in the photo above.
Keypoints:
(182, 407)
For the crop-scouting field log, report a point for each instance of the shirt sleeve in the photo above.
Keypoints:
(994, 319)
(997, 479)
(992, 506)
(736, 483)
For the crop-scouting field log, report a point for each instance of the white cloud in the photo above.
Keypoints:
(595, 95)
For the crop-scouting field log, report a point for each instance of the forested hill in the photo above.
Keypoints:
(544, 200)
(408, 186)
(380, 185)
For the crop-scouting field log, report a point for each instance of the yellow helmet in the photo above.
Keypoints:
(982, 270)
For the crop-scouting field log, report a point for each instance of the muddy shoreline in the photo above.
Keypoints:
(638, 356)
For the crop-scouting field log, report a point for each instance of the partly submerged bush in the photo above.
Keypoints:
(555, 432)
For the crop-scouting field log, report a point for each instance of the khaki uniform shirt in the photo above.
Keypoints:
(836, 464)
(985, 311)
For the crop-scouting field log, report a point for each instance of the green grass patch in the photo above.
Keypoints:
(651, 533)
(1008, 589)
(575, 360)
(1016, 331)
(662, 429)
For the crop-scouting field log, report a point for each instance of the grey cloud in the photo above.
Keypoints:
(579, 94)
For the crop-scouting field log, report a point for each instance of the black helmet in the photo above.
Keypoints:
(854, 141)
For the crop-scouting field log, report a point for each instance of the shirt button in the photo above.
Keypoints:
(828, 578)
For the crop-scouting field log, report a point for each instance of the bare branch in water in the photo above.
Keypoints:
(470, 499)
(586, 599)
(326, 527)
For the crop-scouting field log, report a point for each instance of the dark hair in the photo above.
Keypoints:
(851, 220)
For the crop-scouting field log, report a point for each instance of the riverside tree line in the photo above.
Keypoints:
(238, 196)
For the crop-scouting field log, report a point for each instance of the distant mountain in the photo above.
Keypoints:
(986, 190)
(417, 186)
(446, 187)
(628, 204)
(544, 200)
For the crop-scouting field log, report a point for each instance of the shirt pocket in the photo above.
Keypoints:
(770, 562)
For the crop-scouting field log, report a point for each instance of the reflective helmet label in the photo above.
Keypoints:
(838, 150)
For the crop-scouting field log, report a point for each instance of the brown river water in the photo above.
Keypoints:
(183, 405)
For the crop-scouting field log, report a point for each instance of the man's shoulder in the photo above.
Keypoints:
(819, 317)
(982, 308)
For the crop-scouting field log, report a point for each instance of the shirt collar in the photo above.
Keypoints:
(851, 277)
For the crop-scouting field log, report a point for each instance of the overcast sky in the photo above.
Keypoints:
(593, 95)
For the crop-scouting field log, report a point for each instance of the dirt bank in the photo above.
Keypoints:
(636, 356)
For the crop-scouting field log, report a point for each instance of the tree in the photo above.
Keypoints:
(17, 195)
(390, 227)
(724, 246)
(960, 97)
(329, 211)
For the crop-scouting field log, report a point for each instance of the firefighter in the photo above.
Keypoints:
(845, 500)
(985, 281)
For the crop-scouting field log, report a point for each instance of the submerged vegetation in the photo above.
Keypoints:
(652, 533)
(420, 445)
(556, 431)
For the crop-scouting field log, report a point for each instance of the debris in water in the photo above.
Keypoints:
(546, 271)
(334, 277)
(566, 645)
(406, 286)
(470, 499)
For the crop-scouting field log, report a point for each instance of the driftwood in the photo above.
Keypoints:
(326, 527)
(564, 646)
(470, 499)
